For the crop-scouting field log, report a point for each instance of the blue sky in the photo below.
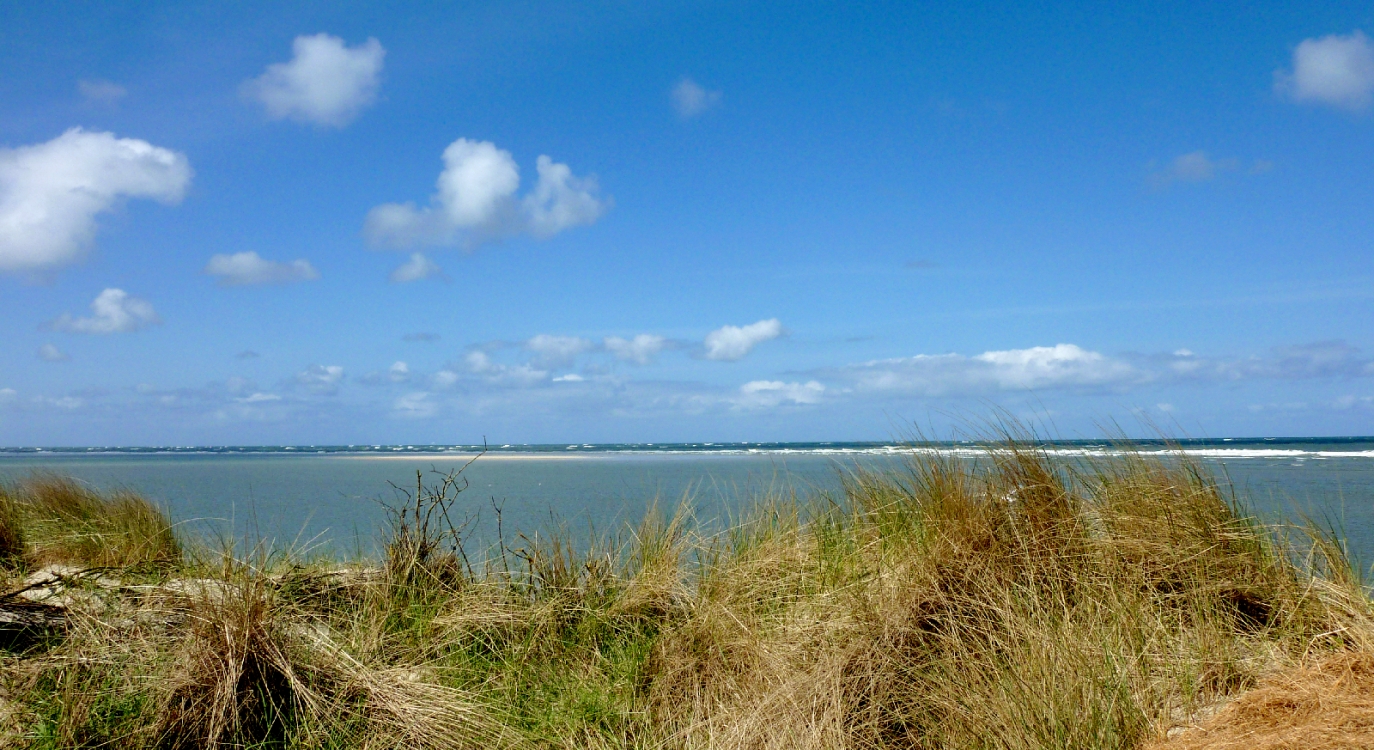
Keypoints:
(334, 223)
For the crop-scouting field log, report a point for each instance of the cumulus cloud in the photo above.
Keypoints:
(770, 393)
(1039, 367)
(731, 343)
(556, 351)
(690, 99)
(416, 405)
(1321, 359)
(101, 92)
(559, 200)
(321, 378)
(1337, 70)
(1070, 366)
(475, 201)
(399, 372)
(51, 193)
(325, 83)
(416, 269)
(113, 311)
(1048, 366)
(480, 363)
(641, 349)
(445, 379)
(249, 269)
(50, 353)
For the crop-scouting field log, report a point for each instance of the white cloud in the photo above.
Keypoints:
(50, 353)
(68, 403)
(415, 406)
(321, 378)
(445, 378)
(325, 83)
(417, 268)
(248, 268)
(1040, 367)
(102, 92)
(559, 200)
(51, 193)
(477, 181)
(556, 351)
(479, 363)
(258, 398)
(769, 393)
(690, 99)
(1348, 401)
(7, 395)
(1336, 70)
(571, 377)
(1048, 366)
(475, 202)
(1295, 362)
(641, 349)
(114, 311)
(730, 343)
(399, 372)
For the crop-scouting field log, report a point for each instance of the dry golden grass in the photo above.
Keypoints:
(1010, 602)
(253, 668)
(1328, 705)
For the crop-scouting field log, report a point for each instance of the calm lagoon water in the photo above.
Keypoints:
(330, 498)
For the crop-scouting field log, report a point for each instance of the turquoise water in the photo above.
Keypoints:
(332, 499)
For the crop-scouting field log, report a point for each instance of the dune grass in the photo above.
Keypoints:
(1013, 601)
(52, 519)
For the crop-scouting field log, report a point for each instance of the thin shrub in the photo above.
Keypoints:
(423, 543)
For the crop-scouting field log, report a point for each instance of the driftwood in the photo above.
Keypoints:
(24, 622)
(36, 610)
(42, 606)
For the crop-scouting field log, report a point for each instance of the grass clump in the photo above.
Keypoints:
(1010, 601)
(50, 519)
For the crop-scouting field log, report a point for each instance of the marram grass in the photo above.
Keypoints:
(1008, 602)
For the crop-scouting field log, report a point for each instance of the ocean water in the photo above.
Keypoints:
(332, 497)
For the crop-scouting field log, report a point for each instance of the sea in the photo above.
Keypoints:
(334, 499)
